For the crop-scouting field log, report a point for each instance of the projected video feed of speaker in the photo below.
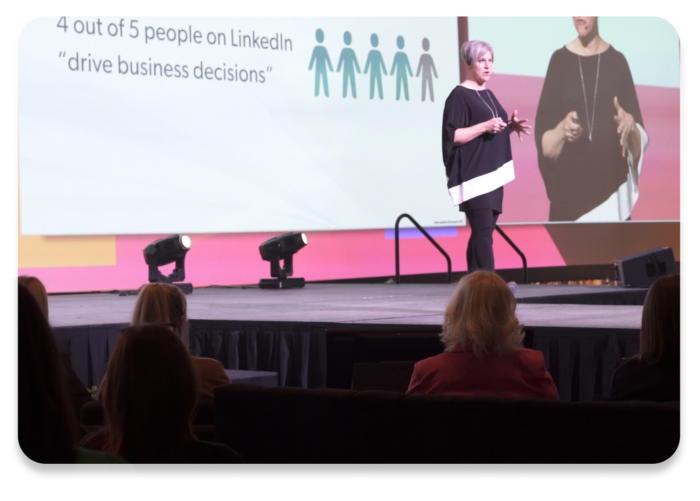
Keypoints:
(606, 127)
(226, 125)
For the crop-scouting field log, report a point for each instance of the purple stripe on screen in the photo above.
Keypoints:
(449, 231)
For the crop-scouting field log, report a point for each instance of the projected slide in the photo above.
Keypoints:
(223, 125)
(213, 125)
(629, 93)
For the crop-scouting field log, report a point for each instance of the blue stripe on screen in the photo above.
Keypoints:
(448, 231)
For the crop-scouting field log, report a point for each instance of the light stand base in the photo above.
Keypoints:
(185, 288)
(282, 283)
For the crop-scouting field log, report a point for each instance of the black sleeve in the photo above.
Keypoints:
(455, 116)
(627, 95)
(549, 113)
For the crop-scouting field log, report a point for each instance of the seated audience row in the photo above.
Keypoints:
(153, 384)
(47, 426)
(149, 401)
(156, 304)
(150, 390)
(484, 354)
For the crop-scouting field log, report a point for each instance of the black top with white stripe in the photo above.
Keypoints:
(476, 171)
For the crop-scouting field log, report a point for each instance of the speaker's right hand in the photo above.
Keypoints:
(495, 125)
(570, 127)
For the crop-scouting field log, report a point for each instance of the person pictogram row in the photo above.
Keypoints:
(375, 65)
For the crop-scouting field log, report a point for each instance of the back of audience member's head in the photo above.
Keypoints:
(38, 291)
(47, 429)
(151, 394)
(481, 313)
(161, 304)
(661, 320)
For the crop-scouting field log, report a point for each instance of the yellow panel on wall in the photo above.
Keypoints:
(48, 252)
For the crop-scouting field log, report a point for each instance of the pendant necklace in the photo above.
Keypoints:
(493, 114)
(590, 120)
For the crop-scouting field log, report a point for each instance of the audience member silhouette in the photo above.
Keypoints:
(166, 304)
(483, 347)
(654, 373)
(149, 400)
(323, 63)
(348, 61)
(427, 66)
(375, 65)
(36, 287)
(47, 428)
(401, 66)
(77, 392)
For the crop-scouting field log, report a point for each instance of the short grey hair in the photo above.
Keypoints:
(473, 49)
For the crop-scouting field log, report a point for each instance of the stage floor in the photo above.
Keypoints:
(405, 304)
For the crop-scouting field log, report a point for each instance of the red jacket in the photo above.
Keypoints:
(521, 374)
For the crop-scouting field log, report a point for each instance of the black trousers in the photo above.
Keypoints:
(480, 248)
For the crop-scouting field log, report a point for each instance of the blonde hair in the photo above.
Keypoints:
(661, 319)
(160, 304)
(38, 291)
(481, 313)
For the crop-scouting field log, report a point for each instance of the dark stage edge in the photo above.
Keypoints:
(312, 336)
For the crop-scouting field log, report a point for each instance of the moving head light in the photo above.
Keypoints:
(282, 247)
(165, 251)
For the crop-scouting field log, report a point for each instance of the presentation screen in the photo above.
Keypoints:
(213, 125)
(224, 125)
(624, 164)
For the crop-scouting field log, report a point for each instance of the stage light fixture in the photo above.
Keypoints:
(165, 251)
(282, 247)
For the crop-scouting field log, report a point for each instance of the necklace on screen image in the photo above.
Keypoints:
(590, 121)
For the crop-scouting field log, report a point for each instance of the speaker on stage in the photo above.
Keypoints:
(640, 270)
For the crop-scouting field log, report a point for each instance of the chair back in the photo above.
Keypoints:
(384, 376)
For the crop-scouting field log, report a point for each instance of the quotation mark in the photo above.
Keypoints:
(269, 69)
(62, 53)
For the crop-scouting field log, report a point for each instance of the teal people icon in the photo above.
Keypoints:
(375, 65)
(401, 66)
(348, 61)
(320, 57)
(427, 66)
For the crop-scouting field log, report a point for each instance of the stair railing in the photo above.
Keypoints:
(397, 278)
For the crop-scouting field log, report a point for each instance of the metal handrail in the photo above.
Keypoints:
(397, 279)
(515, 248)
